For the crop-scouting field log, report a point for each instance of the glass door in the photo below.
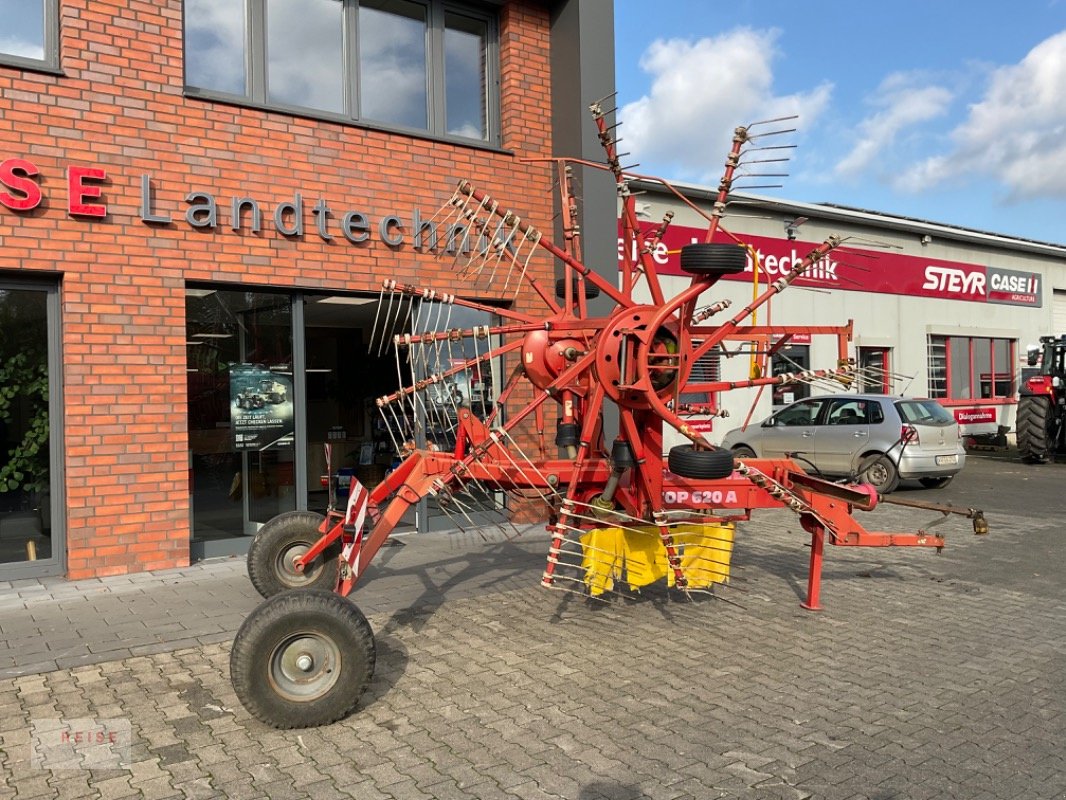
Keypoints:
(31, 540)
(242, 411)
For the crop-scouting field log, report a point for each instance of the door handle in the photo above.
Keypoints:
(858, 434)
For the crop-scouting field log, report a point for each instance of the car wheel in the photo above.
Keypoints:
(879, 472)
(743, 451)
(935, 483)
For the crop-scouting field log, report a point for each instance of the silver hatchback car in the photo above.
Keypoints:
(872, 438)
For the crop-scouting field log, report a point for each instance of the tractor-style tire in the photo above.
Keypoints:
(302, 659)
(1032, 423)
(591, 290)
(879, 472)
(713, 259)
(688, 462)
(278, 542)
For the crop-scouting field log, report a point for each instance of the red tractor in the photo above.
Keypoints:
(1042, 402)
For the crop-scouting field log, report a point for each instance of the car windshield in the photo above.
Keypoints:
(924, 412)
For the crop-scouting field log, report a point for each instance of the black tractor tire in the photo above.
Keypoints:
(688, 462)
(714, 259)
(591, 289)
(302, 659)
(878, 471)
(936, 483)
(278, 542)
(743, 451)
(1033, 424)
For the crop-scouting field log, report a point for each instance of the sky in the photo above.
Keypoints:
(952, 111)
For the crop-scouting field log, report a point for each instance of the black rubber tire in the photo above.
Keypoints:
(285, 537)
(1032, 423)
(936, 483)
(688, 462)
(264, 672)
(714, 259)
(743, 451)
(879, 472)
(591, 289)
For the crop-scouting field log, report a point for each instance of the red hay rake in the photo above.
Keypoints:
(619, 517)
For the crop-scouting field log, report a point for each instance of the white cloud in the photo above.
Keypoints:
(701, 90)
(1015, 134)
(14, 46)
(902, 105)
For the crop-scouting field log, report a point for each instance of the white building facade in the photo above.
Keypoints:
(938, 311)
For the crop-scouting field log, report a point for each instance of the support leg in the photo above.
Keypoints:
(814, 574)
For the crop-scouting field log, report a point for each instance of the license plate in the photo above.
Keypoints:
(944, 460)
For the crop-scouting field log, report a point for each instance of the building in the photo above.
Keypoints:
(199, 202)
(937, 310)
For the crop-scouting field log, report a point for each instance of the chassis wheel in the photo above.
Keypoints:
(686, 461)
(713, 259)
(935, 483)
(302, 658)
(281, 541)
(879, 472)
(1034, 439)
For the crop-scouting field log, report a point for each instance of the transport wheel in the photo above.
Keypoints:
(302, 659)
(879, 472)
(281, 541)
(1034, 439)
(688, 462)
(743, 451)
(713, 259)
(935, 483)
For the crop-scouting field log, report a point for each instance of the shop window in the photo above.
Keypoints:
(971, 368)
(790, 358)
(29, 542)
(30, 33)
(413, 65)
(873, 366)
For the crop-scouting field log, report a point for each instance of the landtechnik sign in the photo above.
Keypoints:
(85, 196)
(857, 270)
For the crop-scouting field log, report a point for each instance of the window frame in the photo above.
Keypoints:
(257, 62)
(947, 392)
(50, 62)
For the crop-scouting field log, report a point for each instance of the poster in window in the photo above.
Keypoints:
(261, 407)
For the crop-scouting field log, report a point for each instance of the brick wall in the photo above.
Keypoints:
(119, 106)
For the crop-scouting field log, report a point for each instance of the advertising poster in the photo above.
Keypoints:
(261, 407)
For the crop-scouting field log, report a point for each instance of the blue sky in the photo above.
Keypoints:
(950, 111)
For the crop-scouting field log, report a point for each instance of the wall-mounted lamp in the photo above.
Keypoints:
(791, 227)
(927, 239)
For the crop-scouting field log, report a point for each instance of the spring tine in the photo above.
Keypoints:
(386, 326)
(377, 314)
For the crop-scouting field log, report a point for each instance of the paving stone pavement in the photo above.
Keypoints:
(915, 682)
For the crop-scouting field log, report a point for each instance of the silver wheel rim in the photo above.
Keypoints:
(305, 666)
(285, 565)
(877, 474)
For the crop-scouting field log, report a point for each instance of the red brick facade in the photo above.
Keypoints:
(119, 106)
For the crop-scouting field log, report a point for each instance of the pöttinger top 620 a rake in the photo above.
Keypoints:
(620, 514)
